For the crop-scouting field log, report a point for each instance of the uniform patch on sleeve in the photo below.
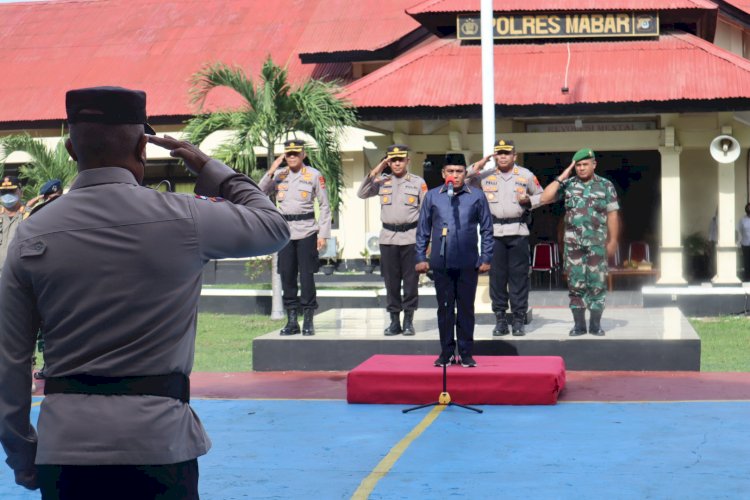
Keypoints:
(424, 187)
(322, 182)
(213, 199)
(536, 181)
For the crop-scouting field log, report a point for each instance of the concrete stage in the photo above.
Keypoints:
(639, 339)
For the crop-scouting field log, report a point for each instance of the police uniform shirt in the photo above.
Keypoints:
(8, 227)
(295, 194)
(400, 199)
(501, 189)
(113, 274)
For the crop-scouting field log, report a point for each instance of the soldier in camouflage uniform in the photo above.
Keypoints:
(591, 231)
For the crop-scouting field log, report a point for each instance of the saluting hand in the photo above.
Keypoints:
(566, 173)
(194, 158)
(379, 168)
(276, 164)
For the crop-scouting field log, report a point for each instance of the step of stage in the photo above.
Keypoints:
(496, 380)
(651, 339)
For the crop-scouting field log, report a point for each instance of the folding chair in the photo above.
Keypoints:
(543, 260)
(638, 251)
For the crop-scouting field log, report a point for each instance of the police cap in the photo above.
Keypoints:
(583, 154)
(10, 183)
(50, 187)
(294, 146)
(504, 145)
(110, 105)
(455, 159)
(397, 151)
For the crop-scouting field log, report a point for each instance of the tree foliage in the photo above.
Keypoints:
(45, 163)
(273, 109)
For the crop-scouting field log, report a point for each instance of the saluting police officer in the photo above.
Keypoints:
(296, 187)
(591, 234)
(113, 275)
(512, 192)
(401, 194)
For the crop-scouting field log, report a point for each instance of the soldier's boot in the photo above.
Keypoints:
(579, 327)
(307, 323)
(501, 325)
(518, 324)
(595, 327)
(292, 326)
(409, 323)
(395, 327)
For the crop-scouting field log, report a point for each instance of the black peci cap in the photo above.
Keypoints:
(455, 159)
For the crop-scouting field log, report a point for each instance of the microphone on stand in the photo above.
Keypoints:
(449, 182)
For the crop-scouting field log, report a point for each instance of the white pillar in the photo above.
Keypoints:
(488, 77)
(671, 238)
(726, 251)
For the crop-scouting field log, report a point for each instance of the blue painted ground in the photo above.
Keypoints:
(324, 449)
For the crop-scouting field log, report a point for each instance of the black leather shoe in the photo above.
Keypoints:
(445, 358)
(409, 323)
(501, 325)
(395, 327)
(595, 324)
(307, 322)
(579, 327)
(518, 326)
(291, 327)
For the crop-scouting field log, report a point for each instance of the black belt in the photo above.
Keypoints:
(309, 215)
(399, 228)
(172, 385)
(511, 220)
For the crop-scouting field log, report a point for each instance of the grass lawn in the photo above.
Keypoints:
(224, 342)
(725, 343)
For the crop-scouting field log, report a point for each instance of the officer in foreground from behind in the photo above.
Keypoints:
(296, 187)
(591, 232)
(113, 275)
(448, 220)
(401, 194)
(512, 192)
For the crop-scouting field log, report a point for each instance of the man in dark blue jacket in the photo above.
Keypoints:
(449, 218)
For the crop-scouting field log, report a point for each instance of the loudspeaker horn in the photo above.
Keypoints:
(725, 149)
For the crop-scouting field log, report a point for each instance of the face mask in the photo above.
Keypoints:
(9, 200)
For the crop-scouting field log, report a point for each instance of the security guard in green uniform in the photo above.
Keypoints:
(512, 192)
(401, 194)
(297, 186)
(591, 233)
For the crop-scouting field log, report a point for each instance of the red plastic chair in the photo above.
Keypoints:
(638, 251)
(543, 260)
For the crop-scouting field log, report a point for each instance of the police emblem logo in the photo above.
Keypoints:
(515, 170)
(303, 194)
(385, 199)
(281, 195)
(411, 199)
(490, 196)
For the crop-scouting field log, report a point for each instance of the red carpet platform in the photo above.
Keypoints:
(497, 380)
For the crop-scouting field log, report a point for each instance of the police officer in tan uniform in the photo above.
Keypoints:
(512, 191)
(401, 194)
(113, 275)
(296, 187)
(12, 212)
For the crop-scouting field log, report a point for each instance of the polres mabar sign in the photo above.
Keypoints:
(600, 25)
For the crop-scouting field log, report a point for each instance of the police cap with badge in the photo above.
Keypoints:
(107, 105)
(50, 187)
(294, 146)
(397, 151)
(9, 184)
(504, 145)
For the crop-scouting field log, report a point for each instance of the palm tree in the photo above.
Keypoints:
(273, 110)
(45, 163)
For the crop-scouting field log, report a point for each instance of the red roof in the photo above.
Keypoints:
(49, 47)
(743, 5)
(444, 73)
(347, 25)
(434, 6)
